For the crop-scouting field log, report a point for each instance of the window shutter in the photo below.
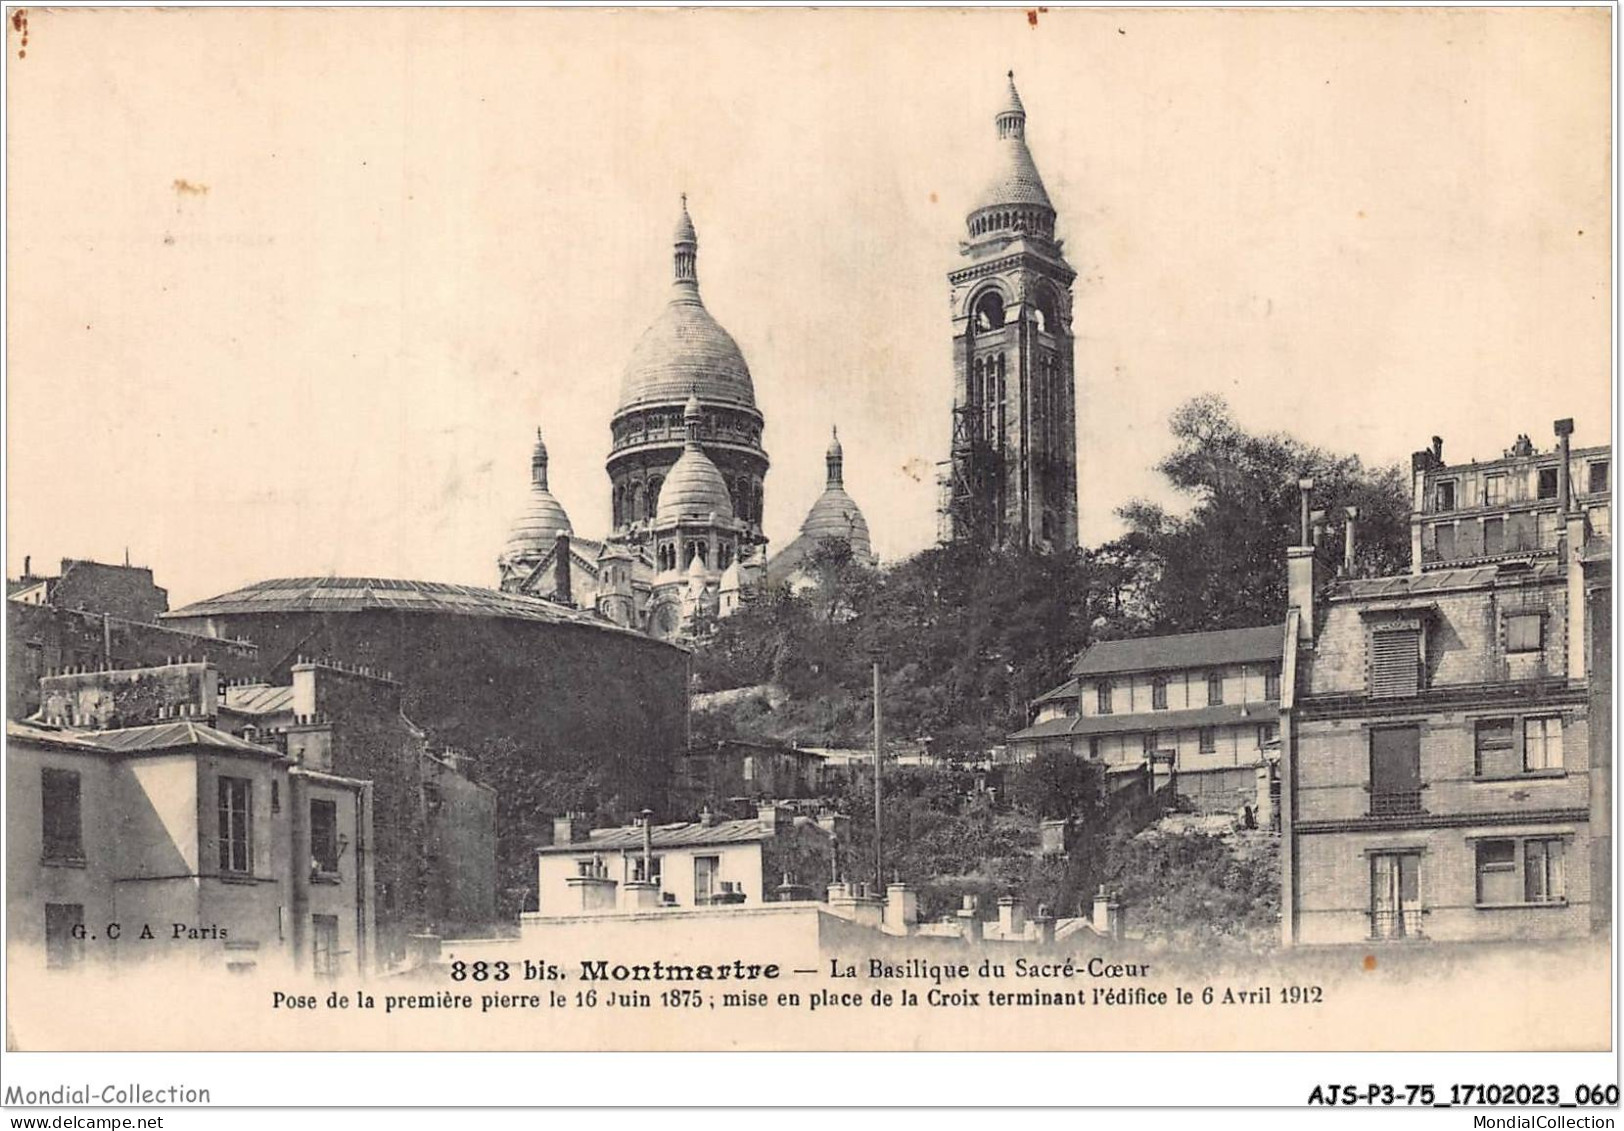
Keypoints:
(1395, 662)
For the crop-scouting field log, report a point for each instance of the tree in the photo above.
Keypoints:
(1222, 564)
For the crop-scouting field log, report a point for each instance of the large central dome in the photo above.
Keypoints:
(686, 351)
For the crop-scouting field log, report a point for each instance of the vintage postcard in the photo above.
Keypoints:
(853, 529)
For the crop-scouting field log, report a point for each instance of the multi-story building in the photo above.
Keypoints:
(178, 843)
(432, 851)
(1441, 780)
(1200, 708)
(1506, 509)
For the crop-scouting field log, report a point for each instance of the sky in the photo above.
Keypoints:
(289, 291)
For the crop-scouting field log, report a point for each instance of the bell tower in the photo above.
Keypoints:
(1011, 480)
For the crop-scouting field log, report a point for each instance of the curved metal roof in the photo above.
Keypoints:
(371, 594)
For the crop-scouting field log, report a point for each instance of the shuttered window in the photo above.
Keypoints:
(1395, 662)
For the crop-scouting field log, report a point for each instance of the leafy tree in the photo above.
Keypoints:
(1222, 564)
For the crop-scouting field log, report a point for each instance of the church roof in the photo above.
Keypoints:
(836, 515)
(543, 519)
(693, 488)
(1015, 178)
(686, 349)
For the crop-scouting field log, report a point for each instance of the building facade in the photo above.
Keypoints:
(176, 843)
(1012, 474)
(1439, 773)
(701, 863)
(338, 722)
(1200, 709)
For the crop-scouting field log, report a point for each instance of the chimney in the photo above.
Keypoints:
(648, 843)
(969, 921)
(1564, 487)
(569, 829)
(1011, 918)
(1316, 521)
(1300, 579)
(1107, 915)
(707, 819)
(1043, 924)
(28, 566)
(1437, 451)
(901, 908)
(561, 569)
(1349, 539)
(768, 816)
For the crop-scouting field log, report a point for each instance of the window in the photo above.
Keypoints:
(64, 935)
(1094, 747)
(1395, 662)
(1215, 689)
(637, 870)
(989, 311)
(1102, 691)
(324, 945)
(1494, 489)
(1544, 871)
(1395, 895)
(1598, 477)
(276, 797)
(1446, 495)
(1542, 744)
(1268, 733)
(1207, 737)
(1271, 685)
(59, 802)
(1496, 749)
(1158, 693)
(1497, 871)
(236, 844)
(1395, 770)
(1444, 537)
(1494, 536)
(705, 872)
(749, 767)
(324, 837)
(1523, 632)
(1547, 482)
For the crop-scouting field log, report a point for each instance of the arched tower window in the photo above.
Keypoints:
(652, 503)
(755, 503)
(989, 311)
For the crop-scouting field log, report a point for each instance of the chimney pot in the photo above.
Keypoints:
(1438, 448)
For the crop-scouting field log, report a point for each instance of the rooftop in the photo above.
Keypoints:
(1188, 650)
(684, 834)
(1439, 580)
(1263, 711)
(365, 594)
(175, 735)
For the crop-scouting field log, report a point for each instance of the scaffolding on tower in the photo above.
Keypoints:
(969, 483)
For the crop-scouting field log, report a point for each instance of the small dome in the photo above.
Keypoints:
(543, 519)
(837, 515)
(696, 568)
(693, 488)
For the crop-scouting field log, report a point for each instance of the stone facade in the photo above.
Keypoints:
(1012, 476)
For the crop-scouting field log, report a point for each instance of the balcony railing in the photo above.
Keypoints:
(1395, 804)
(1395, 923)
